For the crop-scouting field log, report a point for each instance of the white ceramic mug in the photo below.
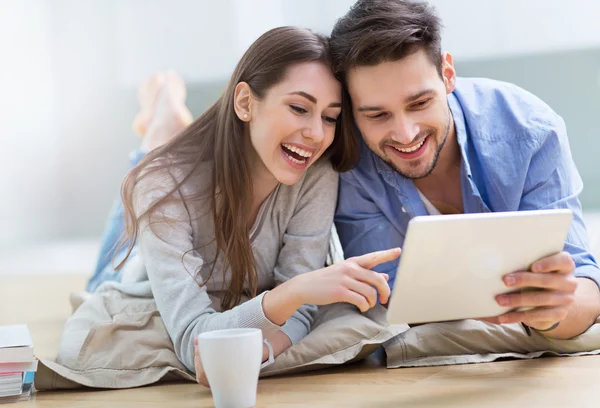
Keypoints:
(232, 360)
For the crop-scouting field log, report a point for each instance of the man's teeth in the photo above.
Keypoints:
(298, 150)
(411, 149)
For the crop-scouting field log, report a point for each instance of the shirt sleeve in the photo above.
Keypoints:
(166, 246)
(306, 239)
(363, 227)
(554, 182)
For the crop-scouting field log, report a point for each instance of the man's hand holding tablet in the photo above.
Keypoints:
(508, 265)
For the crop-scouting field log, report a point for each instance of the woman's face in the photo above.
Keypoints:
(294, 123)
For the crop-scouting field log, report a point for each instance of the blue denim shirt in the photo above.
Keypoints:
(515, 156)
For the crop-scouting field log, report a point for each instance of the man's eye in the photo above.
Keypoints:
(421, 104)
(377, 116)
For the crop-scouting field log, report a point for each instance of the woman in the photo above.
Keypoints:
(232, 217)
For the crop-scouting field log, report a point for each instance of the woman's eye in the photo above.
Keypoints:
(298, 109)
(330, 120)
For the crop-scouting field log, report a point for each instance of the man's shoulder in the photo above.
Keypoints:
(499, 110)
(488, 91)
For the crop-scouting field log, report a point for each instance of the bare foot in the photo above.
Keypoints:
(147, 95)
(163, 113)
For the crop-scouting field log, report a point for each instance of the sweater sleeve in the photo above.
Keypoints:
(306, 239)
(166, 246)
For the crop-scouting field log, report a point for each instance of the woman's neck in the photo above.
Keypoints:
(263, 184)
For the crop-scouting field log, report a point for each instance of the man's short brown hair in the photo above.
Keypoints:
(375, 31)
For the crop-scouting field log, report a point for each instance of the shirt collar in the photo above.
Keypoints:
(461, 132)
(472, 201)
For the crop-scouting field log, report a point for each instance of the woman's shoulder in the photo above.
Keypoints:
(318, 177)
(321, 169)
(194, 179)
(321, 172)
(164, 177)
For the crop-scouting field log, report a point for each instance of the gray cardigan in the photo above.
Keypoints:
(290, 236)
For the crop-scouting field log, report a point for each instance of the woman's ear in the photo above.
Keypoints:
(242, 101)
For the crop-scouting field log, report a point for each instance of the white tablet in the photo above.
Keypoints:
(452, 266)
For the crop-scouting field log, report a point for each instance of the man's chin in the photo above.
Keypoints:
(413, 172)
(414, 169)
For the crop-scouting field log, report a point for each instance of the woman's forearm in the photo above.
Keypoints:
(280, 303)
(279, 341)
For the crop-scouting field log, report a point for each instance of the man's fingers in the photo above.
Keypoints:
(492, 320)
(555, 281)
(561, 262)
(373, 259)
(538, 298)
(533, 317)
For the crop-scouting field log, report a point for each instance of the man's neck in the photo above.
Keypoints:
(444, 181)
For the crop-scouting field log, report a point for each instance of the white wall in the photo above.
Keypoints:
(197, 38)
(204, 40)
(27, 117)
(69, 69)
(487, 28)
(220, 31)
(93, 111)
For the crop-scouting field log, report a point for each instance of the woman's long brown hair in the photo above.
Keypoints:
(217, 137)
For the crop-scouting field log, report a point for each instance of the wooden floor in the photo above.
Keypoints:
(42, 303)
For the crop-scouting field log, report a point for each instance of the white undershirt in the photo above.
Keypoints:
(431, 210)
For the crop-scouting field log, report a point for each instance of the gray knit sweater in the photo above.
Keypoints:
(290, 237)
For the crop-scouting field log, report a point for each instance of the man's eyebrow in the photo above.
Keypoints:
(369, 108)
(409, 99)
(418, 95)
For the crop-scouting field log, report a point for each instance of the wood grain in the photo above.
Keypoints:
(42, 303)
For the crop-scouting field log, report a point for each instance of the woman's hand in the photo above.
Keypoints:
(200, 373)
(351, 281)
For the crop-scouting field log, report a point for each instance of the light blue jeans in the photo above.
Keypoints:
(115, 226)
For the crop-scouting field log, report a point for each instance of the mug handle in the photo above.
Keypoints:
(271, 358)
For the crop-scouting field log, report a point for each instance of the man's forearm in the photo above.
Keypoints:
(583, 312)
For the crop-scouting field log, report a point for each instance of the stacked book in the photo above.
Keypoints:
(17, 363)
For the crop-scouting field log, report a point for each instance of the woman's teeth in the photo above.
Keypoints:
(411, 149)
(296, 154)
(295, 160)
(297, 150)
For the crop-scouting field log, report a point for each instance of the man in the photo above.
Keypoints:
(442, 144)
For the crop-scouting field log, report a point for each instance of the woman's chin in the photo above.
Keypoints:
(289, 178)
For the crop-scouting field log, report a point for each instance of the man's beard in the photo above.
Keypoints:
(438, 150)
